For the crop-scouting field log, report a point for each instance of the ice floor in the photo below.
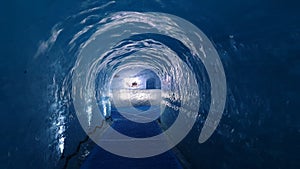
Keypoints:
(101, 159)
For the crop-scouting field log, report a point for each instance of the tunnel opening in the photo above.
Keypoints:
(137, 91)
(150, 83)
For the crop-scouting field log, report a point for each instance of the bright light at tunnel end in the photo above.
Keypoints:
(132, 23)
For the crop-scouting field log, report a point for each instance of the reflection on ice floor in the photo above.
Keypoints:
(141, 106)
(100, 158)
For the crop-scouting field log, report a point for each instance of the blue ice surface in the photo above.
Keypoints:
(100, 158)
(258, 43)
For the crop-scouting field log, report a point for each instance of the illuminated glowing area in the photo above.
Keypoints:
(138, 92)
(135, 78)
(134, 82)
(126, 98)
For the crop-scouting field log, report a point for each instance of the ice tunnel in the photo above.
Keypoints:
(149, 84)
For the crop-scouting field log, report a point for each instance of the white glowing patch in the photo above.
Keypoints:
(124, 95)
(89, 113)
(133, 82)
(61, 144)
(138, 95)
(61, 129)
(104, 111)
(141, 96)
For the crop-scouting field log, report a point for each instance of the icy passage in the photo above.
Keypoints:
(100, 158)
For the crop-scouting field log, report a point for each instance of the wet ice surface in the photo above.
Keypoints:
(259, 48)
(164, 161)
